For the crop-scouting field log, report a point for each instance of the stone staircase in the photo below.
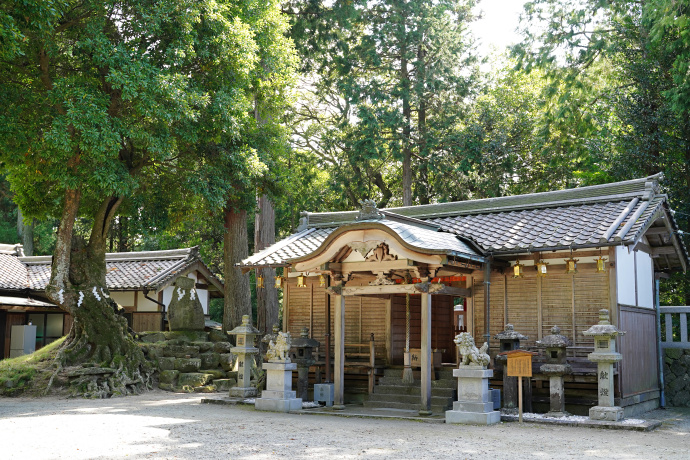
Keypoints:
(391, 393)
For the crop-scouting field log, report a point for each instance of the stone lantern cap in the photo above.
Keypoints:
(245, 328)
(555, 340)
(604, 328)
(510, 334)
(303, 341)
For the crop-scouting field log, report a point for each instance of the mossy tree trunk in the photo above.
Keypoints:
(99, 335)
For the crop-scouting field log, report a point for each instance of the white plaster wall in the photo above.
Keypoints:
(167, 295)
(203, 298)
(144, 304)
(625, 275)
(645, 280)
(124, 299)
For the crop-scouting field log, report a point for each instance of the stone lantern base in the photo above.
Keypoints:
(474, 404)
(610, 414)
(278, 395)
(242, 392)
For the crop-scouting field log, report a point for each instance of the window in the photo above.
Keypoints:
(48, 327)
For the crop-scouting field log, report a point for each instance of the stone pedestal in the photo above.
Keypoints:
(557, 390)
(278, 395)
(605, 409)
(323, 392)
(474, 404)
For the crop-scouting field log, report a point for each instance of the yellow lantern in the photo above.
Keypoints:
(279, 282)
(322, 281)
(601, 265)
(571, 266)
(517, 269)
(541, 268)
(300, 281)
(259, 282)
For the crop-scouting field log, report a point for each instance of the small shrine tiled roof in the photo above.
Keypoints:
(151, 270)
(594, 216)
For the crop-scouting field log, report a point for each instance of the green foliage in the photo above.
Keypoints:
(384, 81)
(28, 373)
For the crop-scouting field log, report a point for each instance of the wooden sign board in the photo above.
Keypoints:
(519, 363)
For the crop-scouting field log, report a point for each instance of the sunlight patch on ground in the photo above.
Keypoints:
(144, 434)
(166, 402)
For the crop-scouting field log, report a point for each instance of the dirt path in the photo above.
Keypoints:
(165, 425)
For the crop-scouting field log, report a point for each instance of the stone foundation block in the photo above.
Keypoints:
(215, 373)
(188, 364)
(610, 414)
(227, 361)
(278, 405)
(181, 351)
(193, 379)
(151, 337)
(210, 360)
(206, 389)
(166, 364)
(204, 347)
(222, 347)
(224, 384)
(166, 386)
(186, 336)
(217, 336)
(473, 418)
(169, 376)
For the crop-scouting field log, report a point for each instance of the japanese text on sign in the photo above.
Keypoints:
(520, 366)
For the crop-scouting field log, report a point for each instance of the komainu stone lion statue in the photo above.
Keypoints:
(279, 349)
(470, 354)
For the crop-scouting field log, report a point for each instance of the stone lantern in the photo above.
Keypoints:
(244, 349)
(509, 340)
(301, 353)
(556, 367)
(605, 355)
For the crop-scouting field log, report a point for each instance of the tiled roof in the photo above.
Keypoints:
(124, 270)
(14, 276)
(601, 215)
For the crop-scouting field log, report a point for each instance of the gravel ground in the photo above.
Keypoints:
(165, 425)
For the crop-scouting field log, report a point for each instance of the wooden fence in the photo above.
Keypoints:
(674, 319)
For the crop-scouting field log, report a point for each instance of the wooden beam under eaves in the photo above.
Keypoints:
(663, 250)
(419, 288)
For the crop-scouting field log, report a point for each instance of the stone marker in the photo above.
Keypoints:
(185, 312)
(605, 355)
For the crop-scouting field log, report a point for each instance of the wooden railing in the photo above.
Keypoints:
(359, 355)
(667, 319)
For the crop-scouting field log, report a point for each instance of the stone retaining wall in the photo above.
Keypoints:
(191, 361)
(677, 377)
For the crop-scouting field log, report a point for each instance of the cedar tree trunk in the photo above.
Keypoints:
(238, 299)
(267, 308)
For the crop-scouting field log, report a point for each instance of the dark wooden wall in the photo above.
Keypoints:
(639, 368)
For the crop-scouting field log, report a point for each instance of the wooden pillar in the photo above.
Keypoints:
(339, 365)
(426, 355)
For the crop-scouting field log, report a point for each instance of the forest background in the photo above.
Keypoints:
(339, 101)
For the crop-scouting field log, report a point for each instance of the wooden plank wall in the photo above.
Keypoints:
(522, 306)
(143, 322)
(571, 302)
(363, 315)
(639, 368)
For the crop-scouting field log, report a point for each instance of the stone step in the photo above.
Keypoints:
(409, 399)
(412, 390)
(397, 381)
(435, 409)
(441, 373)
